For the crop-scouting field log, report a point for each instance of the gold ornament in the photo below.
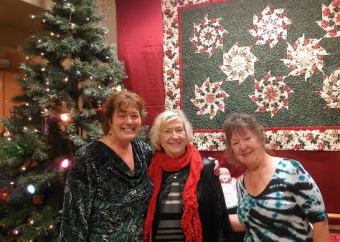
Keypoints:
(67, 62)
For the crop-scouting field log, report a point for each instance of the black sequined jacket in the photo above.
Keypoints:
(104, 200)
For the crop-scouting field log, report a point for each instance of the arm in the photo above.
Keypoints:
(309, 199)
(217, 168)
(77, 203)
(320, 231)
(236, 224)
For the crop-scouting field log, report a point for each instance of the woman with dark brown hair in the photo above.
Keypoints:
(108, 188)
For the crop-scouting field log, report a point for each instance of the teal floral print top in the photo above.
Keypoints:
(103, 199)
(286, 207)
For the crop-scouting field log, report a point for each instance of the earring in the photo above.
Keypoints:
(110, 132)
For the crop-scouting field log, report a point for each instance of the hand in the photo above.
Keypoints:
(217, 167)
(236, 224)
(320, 231)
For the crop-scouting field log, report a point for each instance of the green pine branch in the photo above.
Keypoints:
(69, 71)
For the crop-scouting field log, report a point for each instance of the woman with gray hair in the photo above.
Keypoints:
(278, 199)
(187, 203)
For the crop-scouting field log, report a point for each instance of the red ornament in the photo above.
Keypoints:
(99, 109)
(4, 195)
(38, 199)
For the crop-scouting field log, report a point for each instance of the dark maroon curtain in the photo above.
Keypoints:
(139, 33)
(140, 48)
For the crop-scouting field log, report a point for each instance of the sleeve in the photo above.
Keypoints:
(78, 197)
(307, 194)
(216, 222)
(240, 198)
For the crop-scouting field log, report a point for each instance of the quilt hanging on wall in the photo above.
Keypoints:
(276, 59)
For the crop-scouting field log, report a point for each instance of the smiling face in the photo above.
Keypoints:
(173, 138)
(246, 147)
(126, 124)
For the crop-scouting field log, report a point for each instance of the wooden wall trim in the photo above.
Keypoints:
(9, 88)
(2, 101)
(334, 219)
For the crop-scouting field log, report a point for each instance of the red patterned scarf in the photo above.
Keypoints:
(191, 223)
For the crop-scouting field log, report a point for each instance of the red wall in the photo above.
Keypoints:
(140, 48)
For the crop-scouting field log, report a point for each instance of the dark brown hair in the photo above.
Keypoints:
(239, 122)
(120, 101)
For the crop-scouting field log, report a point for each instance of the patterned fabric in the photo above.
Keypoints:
(167, 222)
(283, 211)
(104, 200)
(272, 59)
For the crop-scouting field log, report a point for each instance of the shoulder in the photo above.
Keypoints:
(140, 144)
(208, 167)
(94, 151)
(209, 182)
(143, 149)
(90, 154)
(209, 162)
(291, 166)
(88, 149)
(291, 172)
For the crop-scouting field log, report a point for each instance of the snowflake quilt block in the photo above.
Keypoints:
(270, 26)
(209, 98)
(271, 94)
(238, 63)
(331, 90)
(304, 57)
(331, 19)
(207, 36)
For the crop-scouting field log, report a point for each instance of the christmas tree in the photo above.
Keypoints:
(68, 72)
